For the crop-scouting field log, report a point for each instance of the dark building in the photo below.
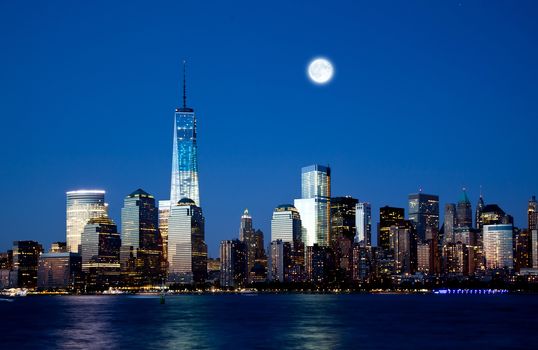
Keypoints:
(403, 243)
(388, 216)
(479, 210)
(424, 213)
(492, 214)
(142, 255)
(100, 250)
(233, 264)
(532, 214)
(25, 262)
(464, 211)
(253, 240)
(523, 254)
(320, 264)
(342, 233)
(59, 270)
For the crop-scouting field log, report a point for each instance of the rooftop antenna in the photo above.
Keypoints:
(184, 84)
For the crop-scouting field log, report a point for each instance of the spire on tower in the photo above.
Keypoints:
(184, 85)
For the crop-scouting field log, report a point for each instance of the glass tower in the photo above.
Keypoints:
(82, 205)
(185, 154)
(187, 250)
(314, 206)
(364, 224)
(424, 212)
(498, 246)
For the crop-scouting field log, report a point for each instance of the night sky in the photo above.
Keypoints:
(428, 94)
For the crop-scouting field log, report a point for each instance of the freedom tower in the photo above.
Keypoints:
(185, 154)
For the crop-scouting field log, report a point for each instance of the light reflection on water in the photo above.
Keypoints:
(268, 322)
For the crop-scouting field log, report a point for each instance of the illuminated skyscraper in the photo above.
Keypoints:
(498, 246)
(424, 213)
(187, 250)
(164, 214)
(286, 224)
(464, 211)
(388, 216)
(185, 154)
(25, 263)
(314, 205)
(233, 264)
(140, 235)
(82, 205)
(364, 224)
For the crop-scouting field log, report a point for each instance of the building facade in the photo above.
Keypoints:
(184, 182)
(187, 250)
(314, 205)
(25, 263)
(498, 246)
(424, 213)
(364, 224)
(82, 205)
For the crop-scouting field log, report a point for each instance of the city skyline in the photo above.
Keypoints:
(96, 124)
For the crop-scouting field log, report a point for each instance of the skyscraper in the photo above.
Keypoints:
(185, 154)
(82, 205)
(100, 250)
(464, 211)
(286, 224)
(342, 233)
(164, 214)
(498, 246)
(187, 250)
(479, 209)
(314, 205)
(364, 224)
(450, 223)
(424, 213)
(532, 214)
(140, 235)
(25, 263)
(253, 241)
(388, 216)
(233, 264)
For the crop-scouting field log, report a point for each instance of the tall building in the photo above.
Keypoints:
(141, 237)
(464, 211)
(187, 250)
(184, 154)
(450, 223)
(342, 233)
(164, 214)
(280, 261)
(233, 264)
(314, 205)
(388, 216)
(100, 250)
(424, 213)
(286, 224)
(532, 214)
(82, 205)
(253, 240)
(479, 209)
(403, 242)
(363, 224)
(25, 262)
(498, 246)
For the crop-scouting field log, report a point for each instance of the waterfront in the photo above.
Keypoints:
(294, 321)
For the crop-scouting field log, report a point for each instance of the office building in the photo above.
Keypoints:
(424, 213)
(25, 262)
(187, 250)
(58, 270)
(140, 237)
(164, 214)
(388, 216)
(450, 223)
(342, 233)
(464, 211)
(314, 205)
(498, 246)
(233, 264)
(82, 205)
(364, 224)
(184, 182)
(532, 214)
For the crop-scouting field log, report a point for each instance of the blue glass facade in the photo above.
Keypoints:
(185, 157)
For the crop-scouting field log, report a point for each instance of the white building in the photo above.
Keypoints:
(81, 206)
(498, 246)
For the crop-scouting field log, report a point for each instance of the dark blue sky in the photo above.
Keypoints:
(431, 94)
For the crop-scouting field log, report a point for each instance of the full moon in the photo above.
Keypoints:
(320, 71)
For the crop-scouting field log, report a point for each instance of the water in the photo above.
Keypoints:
(294, 321)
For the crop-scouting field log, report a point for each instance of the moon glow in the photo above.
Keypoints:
(320, 71)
